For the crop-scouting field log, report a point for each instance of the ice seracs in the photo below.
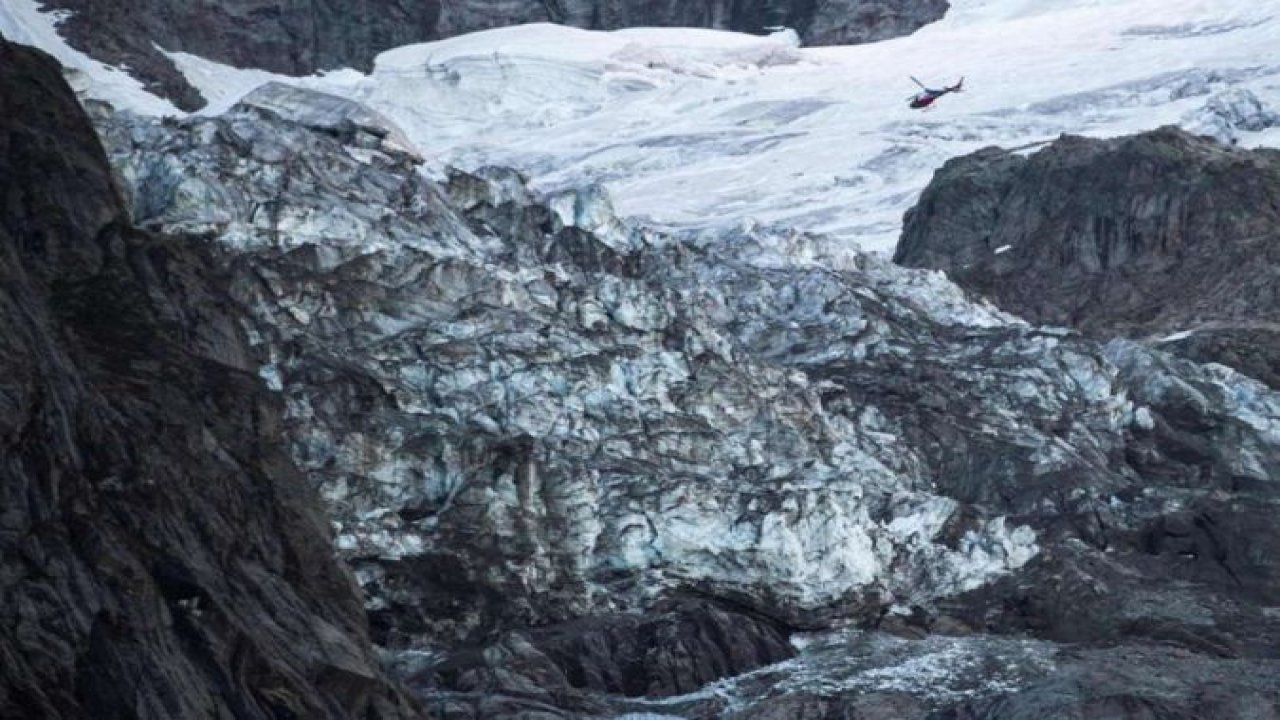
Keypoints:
(581, 414)
(1231, 114)
(597, 399)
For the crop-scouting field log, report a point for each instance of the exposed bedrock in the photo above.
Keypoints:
(160, 555)
(299, 37)
(1170, 240)
(670, 651)
(1163, 236)
(540, 430)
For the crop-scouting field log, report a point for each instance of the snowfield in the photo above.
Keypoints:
(698, 128)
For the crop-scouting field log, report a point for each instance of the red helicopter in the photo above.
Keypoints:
(925, 98)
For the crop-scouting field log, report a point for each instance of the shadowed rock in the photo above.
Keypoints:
(160, 556)
(670, 651)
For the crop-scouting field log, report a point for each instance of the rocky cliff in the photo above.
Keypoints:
(160, 557)
(299, 37)
(1169, 239)
(566, 454)
(1163, 235)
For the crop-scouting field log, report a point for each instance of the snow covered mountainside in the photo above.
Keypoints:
(698, 128)
(707, 130)
(590, 345)
(304, 36)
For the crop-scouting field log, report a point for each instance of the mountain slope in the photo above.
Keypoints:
(161, 557)
(583, 464)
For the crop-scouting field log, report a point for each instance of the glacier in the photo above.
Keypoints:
(574, 324)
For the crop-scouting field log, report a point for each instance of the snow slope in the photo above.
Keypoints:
(22, 21)
(697, 128)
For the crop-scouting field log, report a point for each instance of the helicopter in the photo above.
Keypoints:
(927, 95)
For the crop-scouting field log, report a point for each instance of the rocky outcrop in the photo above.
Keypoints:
(573, 667)
(1170, 239)
(664, 653)
(302, 36)
(1162, 235)
(160, 556)
(843, 22)
(1194, 569)
(539, 429)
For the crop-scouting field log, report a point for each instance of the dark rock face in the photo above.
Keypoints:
(1143, 236)
(159, 555)
(570, 666)
(841, 22)
(663, 653)
(1183, 557)
(302, 36)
